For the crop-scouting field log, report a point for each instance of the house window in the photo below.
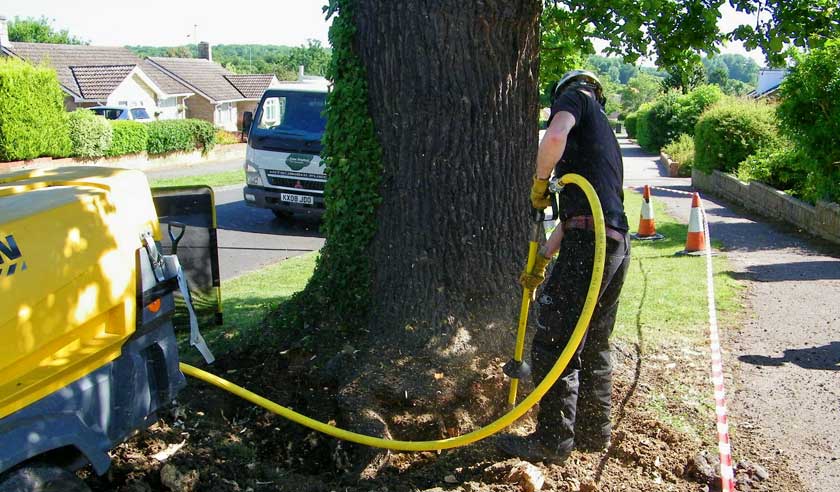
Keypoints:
(122, 103)
(224, 111)
(167, 102)
(273, 111)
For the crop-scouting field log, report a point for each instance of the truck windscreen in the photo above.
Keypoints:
(292, 113)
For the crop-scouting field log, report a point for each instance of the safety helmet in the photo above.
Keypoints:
(579, 78)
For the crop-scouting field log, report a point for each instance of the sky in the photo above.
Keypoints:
(179, 22)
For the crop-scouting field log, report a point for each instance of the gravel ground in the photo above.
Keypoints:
(785, 358)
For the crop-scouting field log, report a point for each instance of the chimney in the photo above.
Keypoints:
(4, 33)
(205, 51)
(300, 72)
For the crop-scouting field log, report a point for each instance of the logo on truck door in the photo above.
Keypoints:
(299, 161)
(11, 259)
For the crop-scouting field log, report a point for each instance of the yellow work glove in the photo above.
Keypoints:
(533, 280)
(539, 194)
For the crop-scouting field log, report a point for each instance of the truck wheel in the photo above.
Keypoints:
(41, 478)
(282, 214)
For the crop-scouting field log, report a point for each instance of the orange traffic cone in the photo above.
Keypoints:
(695, 242)
(647, 224)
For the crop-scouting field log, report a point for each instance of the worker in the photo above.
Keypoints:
(576, 410)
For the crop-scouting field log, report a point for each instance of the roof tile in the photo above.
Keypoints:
(251, 85)
(99, 81)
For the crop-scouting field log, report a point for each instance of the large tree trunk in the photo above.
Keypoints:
(453, 95)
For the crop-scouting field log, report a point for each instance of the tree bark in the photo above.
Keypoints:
(453, 95)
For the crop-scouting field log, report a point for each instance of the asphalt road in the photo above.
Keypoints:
(251, 238)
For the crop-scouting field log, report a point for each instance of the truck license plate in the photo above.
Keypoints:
(301, 199)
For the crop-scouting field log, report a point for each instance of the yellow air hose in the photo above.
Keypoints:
(478, 434)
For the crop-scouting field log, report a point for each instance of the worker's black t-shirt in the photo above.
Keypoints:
(593, 152)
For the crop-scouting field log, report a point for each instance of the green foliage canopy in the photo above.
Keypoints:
(39, 30)
(804, 23)
(809, 113)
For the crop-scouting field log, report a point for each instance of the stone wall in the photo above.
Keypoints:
(822, 220)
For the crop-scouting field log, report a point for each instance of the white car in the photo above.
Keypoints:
(123, 113)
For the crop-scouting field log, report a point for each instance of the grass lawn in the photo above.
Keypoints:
(247, 299)
(216, 179)
(664, 296)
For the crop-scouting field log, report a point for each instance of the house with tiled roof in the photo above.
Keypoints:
(220, 95)
(169, 88)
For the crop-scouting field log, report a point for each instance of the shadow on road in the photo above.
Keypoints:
(826, 358)
(783, 272)
(236, 216)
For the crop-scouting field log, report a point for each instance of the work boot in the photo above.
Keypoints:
(529, 448)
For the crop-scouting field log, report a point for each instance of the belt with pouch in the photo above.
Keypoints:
(587, 223)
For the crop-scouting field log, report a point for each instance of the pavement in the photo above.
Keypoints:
(196, 169)
(785, 358)
(251, 238)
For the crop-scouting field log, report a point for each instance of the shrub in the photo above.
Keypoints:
(657, 123)
(731, 131)
(169, 136)
(681, 151)
(673, 114)
(130, 137)
(688, 108)
(809, 114)
(33, 122)
(90, 135)
(180, 136)
(224, 137)
(630, 123)
(203, 134)
(643, 126)
(783, 167)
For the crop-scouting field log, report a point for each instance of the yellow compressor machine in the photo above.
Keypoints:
(87, 349)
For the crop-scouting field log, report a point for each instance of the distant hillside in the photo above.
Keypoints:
(254, 58)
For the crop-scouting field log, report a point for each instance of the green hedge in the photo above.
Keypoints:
(630, 123)
(731, 131)
(689, 107)
(654, 125)
(90, 135)
(203, 133)
(809, 113)
(180, 136)
(783, 167)
(673, 114)
(130, 137)
(33, 122)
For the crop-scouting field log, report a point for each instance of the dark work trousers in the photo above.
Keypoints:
(579, 402)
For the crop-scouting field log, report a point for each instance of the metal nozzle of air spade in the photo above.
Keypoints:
(516, 369)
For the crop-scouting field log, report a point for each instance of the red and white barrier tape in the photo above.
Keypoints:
(669, 190)
(727, 472)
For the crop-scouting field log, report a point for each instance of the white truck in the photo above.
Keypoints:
(283, 167)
